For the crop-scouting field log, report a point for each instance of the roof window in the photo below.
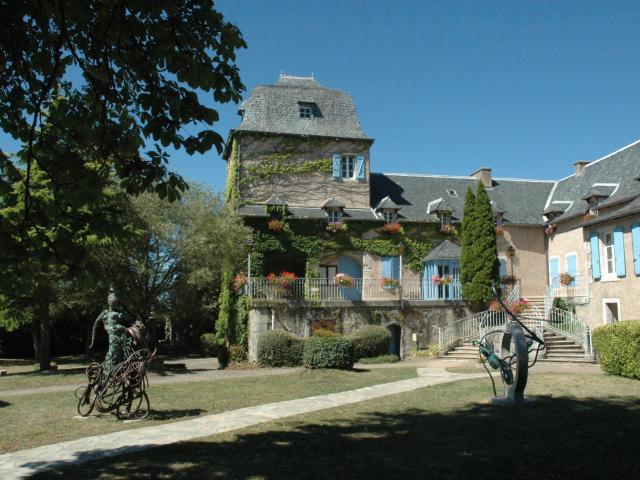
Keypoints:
(452, 193)
(306, 110)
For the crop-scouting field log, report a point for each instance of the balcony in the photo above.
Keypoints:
(318, 289)
(578, 289)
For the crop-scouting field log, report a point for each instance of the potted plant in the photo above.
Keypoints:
(389, 283)
(442, 280)
(239, 281)
(275, 225)
(508, 280)
(448, 229)
(392, 227)
(335, 227)
(344, 280)
(566, 279)
(550, 229)
(499, 229)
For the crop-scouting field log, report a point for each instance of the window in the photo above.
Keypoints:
(445, 219)
(328, 273)
(335, 215)
(306, 111)
(497, 219)
(390, 216)
(346, 166)
(452, 193)
(609, 254)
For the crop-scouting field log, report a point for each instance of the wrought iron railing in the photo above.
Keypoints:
(577, 289)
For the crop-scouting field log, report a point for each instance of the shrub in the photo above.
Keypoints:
(223, 355)
(323, 332)
(380, 359)
(618, 345)
(279, 349)
(328, 352)
(238, 353)
(370, 341)
(209, 344)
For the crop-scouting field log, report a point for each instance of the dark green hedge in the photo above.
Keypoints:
(370, 341)
(618, 346)
(328, 352)
(209, 344)
(279, 349)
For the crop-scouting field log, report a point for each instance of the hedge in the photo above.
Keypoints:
(279, 349)
(209, 344)
(370, 341)
(618, 346)
(328, 352)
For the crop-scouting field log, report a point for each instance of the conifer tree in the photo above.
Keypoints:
(467, 263)
(484, 252)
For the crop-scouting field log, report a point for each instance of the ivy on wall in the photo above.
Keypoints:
(282, 164)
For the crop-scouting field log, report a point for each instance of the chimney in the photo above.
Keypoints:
(580, 164)
(484, 175)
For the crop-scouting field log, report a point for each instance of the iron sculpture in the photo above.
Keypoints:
(516, 343)
(118, 384)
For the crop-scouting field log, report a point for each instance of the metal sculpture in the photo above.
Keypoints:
(516, 343)
(118, 384)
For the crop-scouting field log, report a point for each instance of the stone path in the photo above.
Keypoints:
(26, 462)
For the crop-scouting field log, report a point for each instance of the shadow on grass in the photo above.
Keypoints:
(50, 373)
(552, 438)
(4, 404)
(174, 414)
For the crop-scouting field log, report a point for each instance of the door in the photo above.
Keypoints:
(352, 268)
(612, 312)
(394, 346)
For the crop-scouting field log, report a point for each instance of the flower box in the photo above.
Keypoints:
(499, 229)
(442, 280)
(448, 229)
(566, 279)
(392, 228)
(344, 280)
(517, 307)
(389, 283)
(275, 225)
(335, 227)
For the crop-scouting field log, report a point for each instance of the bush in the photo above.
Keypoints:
(238, 353)
(370, 341)
(619, 348)
(223, 355)
(323, 332)
(279, 349)
(380, 359)
(328, 352)
(209, 344)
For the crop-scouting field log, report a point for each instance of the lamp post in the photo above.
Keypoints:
(511, 252)
(249, 247)
(401, 248)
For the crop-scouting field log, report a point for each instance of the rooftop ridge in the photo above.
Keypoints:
(461, 177)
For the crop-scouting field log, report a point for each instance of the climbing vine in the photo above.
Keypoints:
(231, 192)
(282, 164)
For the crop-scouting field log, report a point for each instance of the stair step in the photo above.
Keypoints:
(567, 360)
(565, 351)
(565, 355)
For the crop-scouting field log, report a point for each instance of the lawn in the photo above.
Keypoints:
(39, 419)
(581, 426)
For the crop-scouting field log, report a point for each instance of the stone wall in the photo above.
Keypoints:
(308, 189)
(530, 261)
(422, 318)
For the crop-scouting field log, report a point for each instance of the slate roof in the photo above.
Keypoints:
(274, 200)
(386, 202)
(275, 109)
(619, 168)
(522, 200)
(446, 250)
(302, 213)
(333, 203)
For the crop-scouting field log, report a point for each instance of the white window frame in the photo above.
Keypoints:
(390, 216)
(605, 301)
(606, 275)
(335, 215)
(305, 111)
(348, 166)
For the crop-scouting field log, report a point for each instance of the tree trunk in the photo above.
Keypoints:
(44, 359)
(35, 336)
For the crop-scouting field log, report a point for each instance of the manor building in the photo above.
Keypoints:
(299, 168)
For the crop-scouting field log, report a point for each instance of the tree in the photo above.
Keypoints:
(74, 208)
(136, 72)
(467, 263)
(480, 242)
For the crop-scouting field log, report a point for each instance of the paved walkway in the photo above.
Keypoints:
(26, 462)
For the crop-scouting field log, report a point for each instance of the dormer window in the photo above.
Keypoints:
(445, 218)
(390, 216)
(452, 193)
(497, 219)
(306, 110)
(335, 215)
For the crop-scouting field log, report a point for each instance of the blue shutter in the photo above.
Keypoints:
(395, 267)
(429, 287)
(635, 236)
(618, 245)
(595, 256)
(387, 268)
(336, 165)
(572, 265)
(360, 167)
(503, 266)
(554, 271)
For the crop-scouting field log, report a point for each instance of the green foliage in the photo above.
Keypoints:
(223, 355)
(481, 269)
(467, 262)
(241, 321)
(328, 352)
(144, 68)
(209, 344)
(279, 349)
(380, 359)
(281, 164)
(238, 353)
(323, 332)
(225, 310)
(370, 341)
(618, 346)
(564, 304)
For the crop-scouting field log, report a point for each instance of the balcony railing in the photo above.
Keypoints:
(577, 289)
(322, 289)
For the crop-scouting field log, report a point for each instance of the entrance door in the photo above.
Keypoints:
(394, 346)
(612, 312)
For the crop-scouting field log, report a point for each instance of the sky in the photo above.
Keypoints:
(445, 87)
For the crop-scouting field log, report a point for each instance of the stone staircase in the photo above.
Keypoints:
(559, 349)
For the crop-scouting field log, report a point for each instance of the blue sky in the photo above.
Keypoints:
(444, 87)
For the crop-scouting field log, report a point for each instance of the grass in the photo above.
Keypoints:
(39, 419)
(581, 426)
